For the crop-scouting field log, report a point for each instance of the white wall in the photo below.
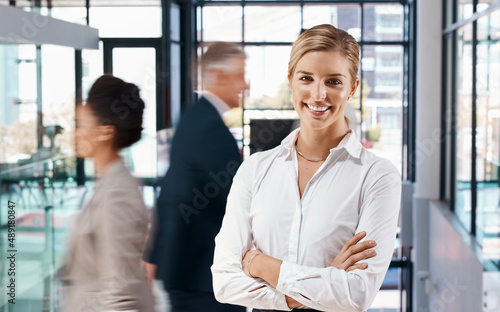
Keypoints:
(428, 139)
(455, 283)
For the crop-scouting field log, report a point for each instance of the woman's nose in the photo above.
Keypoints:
(318, 92)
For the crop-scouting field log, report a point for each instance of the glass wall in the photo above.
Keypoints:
(464, 124)
(38, 91)
(37, 166)
(267, 32)
(472, 106)
(488, 134)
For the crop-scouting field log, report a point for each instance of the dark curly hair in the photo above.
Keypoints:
(117, 103)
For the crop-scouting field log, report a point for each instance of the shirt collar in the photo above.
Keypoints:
(216, 101)
(349, 142)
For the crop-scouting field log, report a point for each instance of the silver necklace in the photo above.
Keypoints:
(310, 159)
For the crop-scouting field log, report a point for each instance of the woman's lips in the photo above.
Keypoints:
(317, 110)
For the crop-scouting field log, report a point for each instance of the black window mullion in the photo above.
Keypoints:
(444, 106)
(412, 35)
(361, 99)
(201, 22)
(404, 98)
(474, 125)
(453, 126)
(87, 8)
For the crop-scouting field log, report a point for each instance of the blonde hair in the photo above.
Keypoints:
(220, 55)
(326, 38)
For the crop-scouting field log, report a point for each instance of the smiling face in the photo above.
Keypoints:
(321, 86)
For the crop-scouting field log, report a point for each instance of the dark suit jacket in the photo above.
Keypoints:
(192, 201)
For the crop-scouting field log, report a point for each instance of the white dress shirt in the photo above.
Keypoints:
(352, 191)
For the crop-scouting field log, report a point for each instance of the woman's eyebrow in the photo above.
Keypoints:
(330, 75)
(335, 75)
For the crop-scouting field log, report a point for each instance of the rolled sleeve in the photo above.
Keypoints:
(323, 289)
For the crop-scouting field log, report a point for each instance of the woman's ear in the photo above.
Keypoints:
(106, 133)
(355, 86)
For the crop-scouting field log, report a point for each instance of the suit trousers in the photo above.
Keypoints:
(196, 301)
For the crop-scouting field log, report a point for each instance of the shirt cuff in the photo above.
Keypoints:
(284, 279)
(291, 274)
(280, 302)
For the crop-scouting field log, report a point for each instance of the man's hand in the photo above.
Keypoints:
(149, 270)
(353, 252)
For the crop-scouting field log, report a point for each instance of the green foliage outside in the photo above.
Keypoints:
(373, 133)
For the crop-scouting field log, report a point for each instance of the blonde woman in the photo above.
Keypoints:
(302, 203)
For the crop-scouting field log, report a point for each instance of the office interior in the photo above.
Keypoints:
(429, 101)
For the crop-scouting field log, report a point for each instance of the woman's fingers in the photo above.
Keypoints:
(358, 266)
(361, 251)
(360, 256)
(355, 249)
(353, 252)
(353, 241)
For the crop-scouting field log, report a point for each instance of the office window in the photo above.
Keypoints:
(140, 21)
(345, 16)
(268, 33)
(267, 74)
(221, 23)
(465, 9)
(464, 125)
(472, 105)
(488, 135)
(383, 22)
(272, 23)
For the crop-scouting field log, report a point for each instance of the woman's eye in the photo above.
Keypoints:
(306, 78)
(334, 81)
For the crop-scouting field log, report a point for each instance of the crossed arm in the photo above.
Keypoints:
(256, 264)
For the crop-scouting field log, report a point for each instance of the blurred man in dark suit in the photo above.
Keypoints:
(192, 201)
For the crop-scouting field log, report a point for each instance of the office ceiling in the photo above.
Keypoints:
(81, 3)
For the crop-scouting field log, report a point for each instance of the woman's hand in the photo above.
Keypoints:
(247, 260)
(353, 252)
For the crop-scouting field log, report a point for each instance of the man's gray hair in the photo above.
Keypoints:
(220, 55)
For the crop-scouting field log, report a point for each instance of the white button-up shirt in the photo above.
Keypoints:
(352, 191)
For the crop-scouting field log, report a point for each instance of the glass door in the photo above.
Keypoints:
(138, 61)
